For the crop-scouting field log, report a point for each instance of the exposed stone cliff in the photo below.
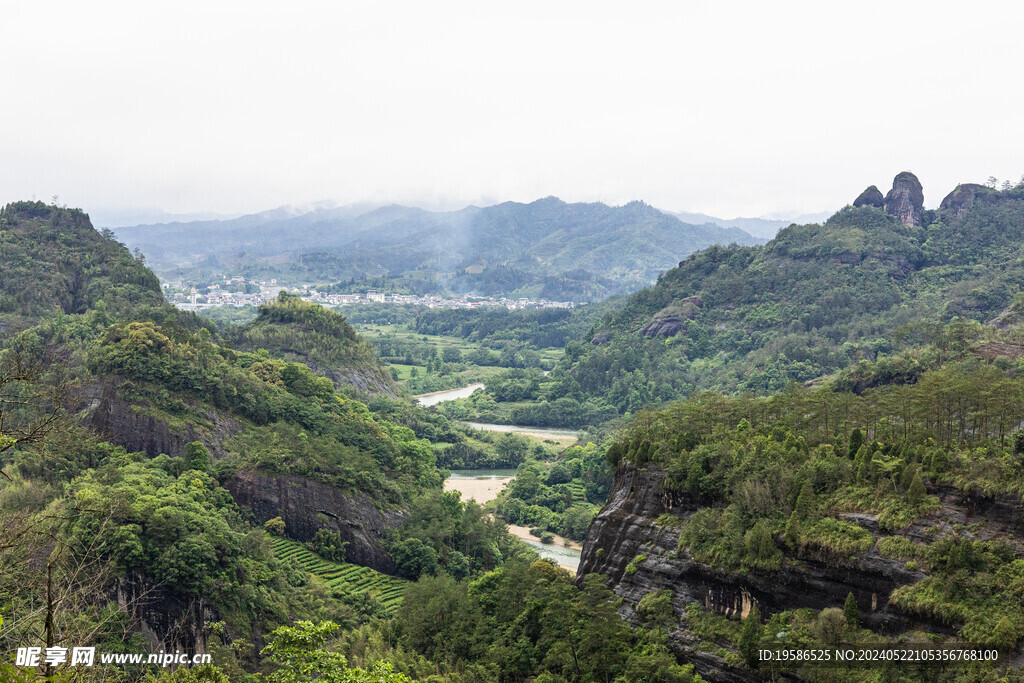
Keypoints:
(962, 198)
(905, 201)
(672, 320)
(165, 619)
(138, 429)
(306, 505)
(369, 381)
(638, 521)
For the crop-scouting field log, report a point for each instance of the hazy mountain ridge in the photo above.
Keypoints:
(619, 248)
(762, 227)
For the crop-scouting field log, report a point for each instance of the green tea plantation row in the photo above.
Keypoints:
(350, 578)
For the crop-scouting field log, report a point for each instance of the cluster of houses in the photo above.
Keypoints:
(189, 297)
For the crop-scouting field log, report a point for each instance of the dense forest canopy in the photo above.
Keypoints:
(848, 390)
(51, 259)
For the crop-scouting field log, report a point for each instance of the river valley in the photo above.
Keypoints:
(484, 485)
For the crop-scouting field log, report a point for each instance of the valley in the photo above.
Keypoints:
(495, 394)
(818, 437)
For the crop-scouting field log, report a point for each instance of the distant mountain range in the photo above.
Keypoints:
(765, 228)
(546, 249)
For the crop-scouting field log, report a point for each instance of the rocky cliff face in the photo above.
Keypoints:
(962, 198)
(672, 320)
(306, 505)
(905, 201)
(638, 521)
(132, 427)
(367, 381)
(166, 620)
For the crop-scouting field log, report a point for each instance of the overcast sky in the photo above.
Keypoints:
(743, 108)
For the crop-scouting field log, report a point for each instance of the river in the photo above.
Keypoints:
(484, 486)
(436, 397)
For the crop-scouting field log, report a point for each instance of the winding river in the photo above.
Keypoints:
(485, 485)
(436, 397)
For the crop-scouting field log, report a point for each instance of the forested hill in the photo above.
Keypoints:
(51, 259)
(547, 248)
(299, 331)
(874, 277)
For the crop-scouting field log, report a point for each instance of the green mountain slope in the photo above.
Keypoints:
(298, 331)
(52, 260)
(808, 303)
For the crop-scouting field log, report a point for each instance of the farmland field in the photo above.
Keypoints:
(351, 578)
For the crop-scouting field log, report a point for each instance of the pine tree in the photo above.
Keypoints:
(850, 611)
(807, 502)
(793, 530)
(856, 441)
(750, 636)
(917, 491)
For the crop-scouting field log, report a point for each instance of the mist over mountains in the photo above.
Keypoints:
(765, 228)
(547, 248)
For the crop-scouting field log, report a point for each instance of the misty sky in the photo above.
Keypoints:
(745, 108)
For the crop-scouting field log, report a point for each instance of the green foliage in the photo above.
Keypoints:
(328, 544)
(183, 533)
(525, 620)
(843, 297)
(974, 585)
(750, 636)
(851, 611)
(534, 498)
(807, 502)
(275, 526)
(365, 589)
(413, 558)
(295, 423)
(497, 328)
(302, 332)
(899, 547)
(196, 457)
(53, 262)
(916, 492)
(440, 531)
(299, 653)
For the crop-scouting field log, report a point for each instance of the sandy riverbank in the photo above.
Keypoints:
(524, 533)
(482, 490)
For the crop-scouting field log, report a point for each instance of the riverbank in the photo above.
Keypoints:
(560, 437)
(435, 397)
(484, 486)
(560, 541)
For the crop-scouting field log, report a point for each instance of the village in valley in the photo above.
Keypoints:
(238, 292)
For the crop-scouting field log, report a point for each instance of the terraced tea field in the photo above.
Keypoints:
(349, 577)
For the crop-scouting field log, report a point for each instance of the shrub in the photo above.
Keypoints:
(275, 526)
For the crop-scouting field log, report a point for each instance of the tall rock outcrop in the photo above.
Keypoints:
(905, 200)
(870, 197)
(962, 198)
